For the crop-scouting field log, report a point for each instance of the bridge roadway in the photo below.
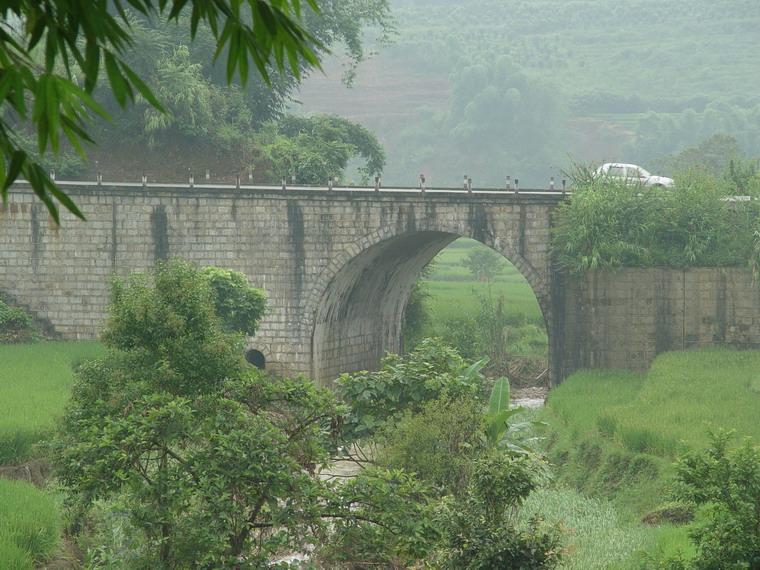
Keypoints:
(338, 264)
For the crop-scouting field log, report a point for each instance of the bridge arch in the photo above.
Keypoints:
(356, 305)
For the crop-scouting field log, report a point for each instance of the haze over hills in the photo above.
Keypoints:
(491, 88)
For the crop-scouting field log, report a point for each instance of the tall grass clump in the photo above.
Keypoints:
(582, 399)
(30, 524)
(596, 537)
(13, 556)
(610, 224)
(35, 381)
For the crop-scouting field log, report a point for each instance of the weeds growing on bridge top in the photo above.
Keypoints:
(611, 224)
(35, 381)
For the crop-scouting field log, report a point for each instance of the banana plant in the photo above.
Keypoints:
(500, 432)
(472, 373)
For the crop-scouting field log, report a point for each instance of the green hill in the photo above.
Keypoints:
(493, 88)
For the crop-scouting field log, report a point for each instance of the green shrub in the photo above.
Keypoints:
(112, 541)
(417, 311)
(239, 306)
(438, 444)
(609, 224)
(404, 529)
(15, 325)
(463, 334)
(29, 522)
(482, 530)
(725, 484)
(433, 369)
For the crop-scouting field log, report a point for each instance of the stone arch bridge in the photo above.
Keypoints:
(339, 266)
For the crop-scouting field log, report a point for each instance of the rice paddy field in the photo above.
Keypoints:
(30, 525)
(455, 301)
(35, 381)
(613, 436)
(669, 409)
(455, 293)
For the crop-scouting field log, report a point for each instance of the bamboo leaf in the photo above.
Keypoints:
(92, 65)
(37, 183)
(18, 158)
(64, 199)
(143, 88)
(52, 114)
(119, 85)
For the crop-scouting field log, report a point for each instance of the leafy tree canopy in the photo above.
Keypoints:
(169, 319)
(725, 484)
(484, 263)
(214, 463)
(236, 303)
(431, 370)
(311, 150)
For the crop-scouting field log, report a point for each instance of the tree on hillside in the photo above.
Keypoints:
(200, 105)
(712, 155)
(312, 149)
(52, 54)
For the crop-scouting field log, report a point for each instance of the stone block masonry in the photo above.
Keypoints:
(338, 266)
(625, 318)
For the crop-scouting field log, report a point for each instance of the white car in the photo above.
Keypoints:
(632, 174)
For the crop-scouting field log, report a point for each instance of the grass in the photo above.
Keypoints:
(455, 294)
(595, 535)
(684, 395)
(455, 309)
(615, 435)
(29, 525)
(456, 299)
(35, 381)
(669, 409)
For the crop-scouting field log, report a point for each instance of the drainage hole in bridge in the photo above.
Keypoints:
(256, 358)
